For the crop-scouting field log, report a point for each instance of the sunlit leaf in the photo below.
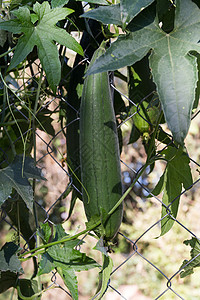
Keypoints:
(105, 14)
(44, 34)
(58, 3)
(100, 2)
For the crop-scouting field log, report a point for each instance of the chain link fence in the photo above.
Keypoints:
(52, 202)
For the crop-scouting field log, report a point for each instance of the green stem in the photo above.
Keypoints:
(4, 104)
(88, 228)
(66, 239)
(154, 135)
(9, 123)
(31, 256)
(3, 54)
(34, 140)
(129, 189)
(148, 162)
(11, 142)
(34, 155)
(7, 97)
(18, 222)
(38, 93)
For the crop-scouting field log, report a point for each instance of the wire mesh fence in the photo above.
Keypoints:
(52, 200)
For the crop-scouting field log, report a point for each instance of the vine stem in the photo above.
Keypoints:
(5, 53)
(34, 140)
(89, 228)
(34, 154)
(148, 162)
(69, 238)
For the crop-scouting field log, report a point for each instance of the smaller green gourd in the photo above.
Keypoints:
(145, 119)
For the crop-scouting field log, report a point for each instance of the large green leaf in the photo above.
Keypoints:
(64, 257)
(70, 257)
(43, 34)
(16, 176)
(174, 69)
(177, 175)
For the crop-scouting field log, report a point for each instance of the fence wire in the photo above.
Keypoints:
(48, 152)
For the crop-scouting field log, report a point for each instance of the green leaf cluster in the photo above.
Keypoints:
(172, 64)
(167, 39)
(39, 30)
(64, 257)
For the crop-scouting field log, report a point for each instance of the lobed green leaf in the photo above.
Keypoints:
(43, 35)
(64, 257)
(173, 67)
